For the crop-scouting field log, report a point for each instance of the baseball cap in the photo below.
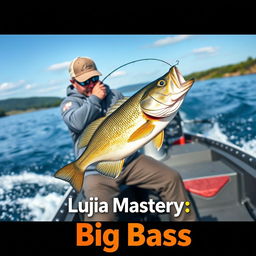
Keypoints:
(83, 68)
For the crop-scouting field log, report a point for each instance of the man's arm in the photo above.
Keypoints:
(77, 117)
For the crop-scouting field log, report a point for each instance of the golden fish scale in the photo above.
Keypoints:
(123, 122)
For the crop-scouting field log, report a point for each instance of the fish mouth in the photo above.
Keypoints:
(176, 76)
(163, 112)
(178, 84)
(164, 105)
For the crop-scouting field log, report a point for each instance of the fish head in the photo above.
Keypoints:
(165, 95)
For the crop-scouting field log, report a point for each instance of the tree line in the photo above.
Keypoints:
(240, 68)
(23, 104)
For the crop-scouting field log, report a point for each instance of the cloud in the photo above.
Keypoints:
(59, 66)
(60, 81)
(170, 40)
(7, 86)
(118, 74)
(28, 86)
(205, 50)
(49, 89)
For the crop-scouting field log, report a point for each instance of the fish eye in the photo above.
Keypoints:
(161, 83)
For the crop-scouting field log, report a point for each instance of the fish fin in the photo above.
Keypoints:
(73, 174)
(116, 105)
(158, 140)
(110, 168)
(88, 132)
(142, 131)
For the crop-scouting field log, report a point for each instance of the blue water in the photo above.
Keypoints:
(35, 145)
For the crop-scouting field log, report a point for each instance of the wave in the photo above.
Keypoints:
(30, 197)
(249, 147)
(216, 132)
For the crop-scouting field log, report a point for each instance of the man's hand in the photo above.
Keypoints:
(99, 90)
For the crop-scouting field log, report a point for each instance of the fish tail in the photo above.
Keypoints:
(73, 174)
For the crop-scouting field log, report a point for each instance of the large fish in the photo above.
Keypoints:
(129, 125)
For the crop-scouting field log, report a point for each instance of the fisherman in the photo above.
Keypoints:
(89, 99)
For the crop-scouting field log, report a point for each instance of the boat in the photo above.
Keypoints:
(220, 179)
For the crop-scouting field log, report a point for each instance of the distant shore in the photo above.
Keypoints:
(15, 106)
(250, 71)
(17, 112)
(242, 68)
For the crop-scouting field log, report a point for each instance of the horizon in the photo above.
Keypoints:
(37, 65)
(120, 88)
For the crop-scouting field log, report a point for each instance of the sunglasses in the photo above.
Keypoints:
(94, 79)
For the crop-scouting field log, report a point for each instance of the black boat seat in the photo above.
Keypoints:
(197, 163)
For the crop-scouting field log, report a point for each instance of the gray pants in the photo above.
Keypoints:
(146, 173)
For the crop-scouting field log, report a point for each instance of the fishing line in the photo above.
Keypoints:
(177, 62)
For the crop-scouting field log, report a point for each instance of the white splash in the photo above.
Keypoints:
(40, 207)
(216, 133)
(249, 147)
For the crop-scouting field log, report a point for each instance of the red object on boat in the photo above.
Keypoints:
(180, 141)
(206, 187)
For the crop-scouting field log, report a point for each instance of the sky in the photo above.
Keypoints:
(37, 65)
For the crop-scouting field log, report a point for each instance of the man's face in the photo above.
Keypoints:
(85, 87)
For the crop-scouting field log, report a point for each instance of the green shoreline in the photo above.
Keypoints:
(242, 68)
(17, 112)
(16, 106)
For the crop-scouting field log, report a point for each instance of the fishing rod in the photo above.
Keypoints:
(177, 62)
